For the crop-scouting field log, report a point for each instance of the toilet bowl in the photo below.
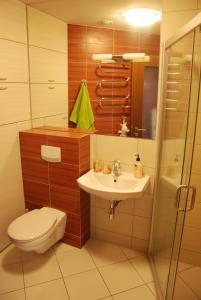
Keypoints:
(38, 229)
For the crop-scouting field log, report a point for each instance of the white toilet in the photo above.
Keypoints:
(38, 229)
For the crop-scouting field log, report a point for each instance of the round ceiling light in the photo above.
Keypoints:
(142, 16)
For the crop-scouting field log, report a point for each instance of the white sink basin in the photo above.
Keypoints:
(104, 186)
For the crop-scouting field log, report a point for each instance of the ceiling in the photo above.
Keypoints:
(93, 12)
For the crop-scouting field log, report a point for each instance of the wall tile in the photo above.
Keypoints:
(65, 198)
(36, 192)
(35, 170)
(121, 224)
(64, 175)
(113, 237)
(141, 228)
(140, 245)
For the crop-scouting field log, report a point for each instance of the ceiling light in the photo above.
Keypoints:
(142, 16)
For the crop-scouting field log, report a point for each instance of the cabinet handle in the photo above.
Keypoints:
(51, 80)
(2, 88)
(51, 87)
(3, 78)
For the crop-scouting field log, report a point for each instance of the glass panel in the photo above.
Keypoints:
(176, 113)
(188, 276)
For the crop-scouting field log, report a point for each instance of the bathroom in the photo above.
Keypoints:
(147, 249)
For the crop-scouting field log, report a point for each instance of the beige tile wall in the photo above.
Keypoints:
(15, 110)
(131, 225)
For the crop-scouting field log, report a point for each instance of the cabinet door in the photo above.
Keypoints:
(48, 99)
(14, 102)
(46, 31)
(13, 21)
(13, 62)
(47, 66)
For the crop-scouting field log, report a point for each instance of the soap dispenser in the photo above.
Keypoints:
(138, 167)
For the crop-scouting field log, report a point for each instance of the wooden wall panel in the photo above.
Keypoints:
(55, 184)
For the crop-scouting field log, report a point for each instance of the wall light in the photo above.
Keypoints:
(142, 16)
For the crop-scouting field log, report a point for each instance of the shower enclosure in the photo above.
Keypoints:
(175, 247)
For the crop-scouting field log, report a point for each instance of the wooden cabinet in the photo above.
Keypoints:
(14, 102)
(48, 99)
(13, 62)
(46, 31)
(47, 66)
(13, 21)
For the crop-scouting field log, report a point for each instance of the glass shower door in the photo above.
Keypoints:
(173, 178)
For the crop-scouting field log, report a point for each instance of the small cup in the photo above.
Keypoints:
(107, 169)
(97, 165)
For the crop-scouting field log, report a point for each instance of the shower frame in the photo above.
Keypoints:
(182, 32)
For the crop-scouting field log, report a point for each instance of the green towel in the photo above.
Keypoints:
(82, 114)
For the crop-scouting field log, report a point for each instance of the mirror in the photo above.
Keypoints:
(123, 94)
(120, 92)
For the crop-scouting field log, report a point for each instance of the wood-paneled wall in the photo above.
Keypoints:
(83, 41)
(54, 184)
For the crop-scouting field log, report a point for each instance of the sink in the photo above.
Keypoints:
(105, 186)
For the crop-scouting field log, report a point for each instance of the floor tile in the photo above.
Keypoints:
(75, 261)
(120, 277)
(131, 253)
(11, 278)
(183, 292)
(50, 290)
(10, 255)
(41, 269)
(104, 253)
(62, 247)
(182, 266)
(192, 277)
(30, 255)
(141, 264)
(141, 293)
(90, 283)
(16, 295)
(151, 286)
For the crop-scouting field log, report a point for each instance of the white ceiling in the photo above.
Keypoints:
(93, 12)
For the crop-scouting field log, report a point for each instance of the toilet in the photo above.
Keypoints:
(38, 229)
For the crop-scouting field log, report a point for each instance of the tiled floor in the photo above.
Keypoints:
(97, 271)
(188, 282)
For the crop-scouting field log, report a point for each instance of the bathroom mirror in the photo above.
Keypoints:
(121, 92)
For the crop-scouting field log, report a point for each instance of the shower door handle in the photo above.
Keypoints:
(192, 200)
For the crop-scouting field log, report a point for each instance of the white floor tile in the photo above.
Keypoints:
(41, 269)
(16, 295)
(183, 292)
(11, 278)
(131, 253)
(192, 277)
(62, 247)
(151, 285)
(139, 293)
(141, 264)
(120, 277)
(104, 253)
(75, 261)
(50, 290)
(182, 266)
(91, 286)
(10, 255)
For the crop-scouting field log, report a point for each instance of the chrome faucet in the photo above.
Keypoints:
(116, 168)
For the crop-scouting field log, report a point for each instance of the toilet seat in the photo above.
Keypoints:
(31, 225)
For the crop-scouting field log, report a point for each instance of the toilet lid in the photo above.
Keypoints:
(31, 225)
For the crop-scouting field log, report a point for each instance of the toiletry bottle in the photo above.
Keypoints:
(138, 167)
(175, 167)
